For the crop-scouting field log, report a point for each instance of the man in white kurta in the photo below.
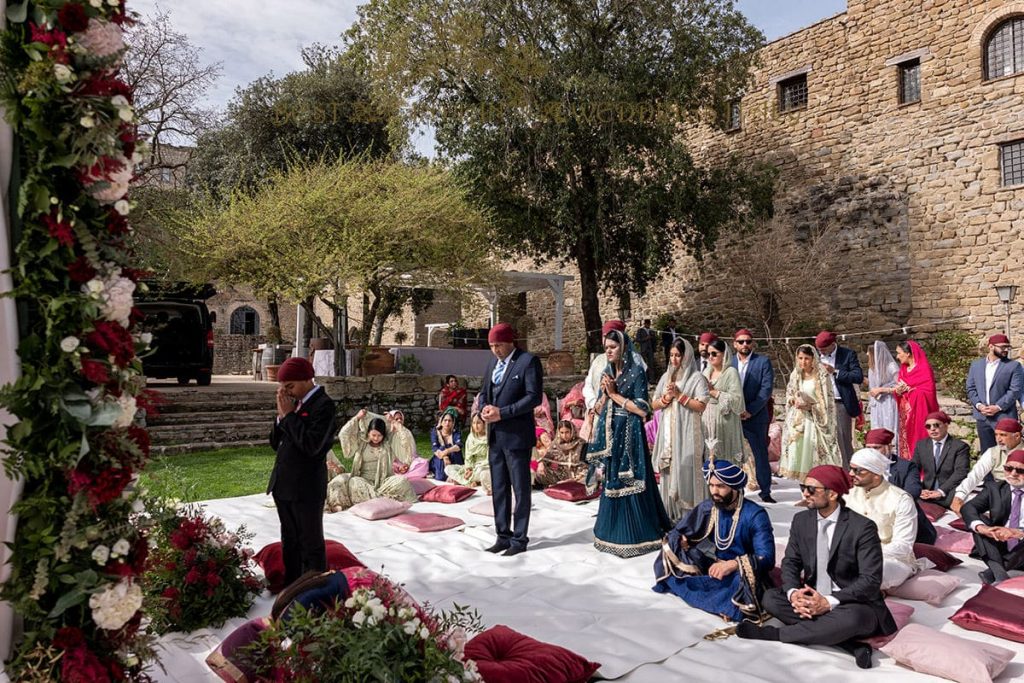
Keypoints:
(890, 508)
(1008, 439)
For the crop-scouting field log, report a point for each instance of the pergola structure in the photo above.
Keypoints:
(519, 282)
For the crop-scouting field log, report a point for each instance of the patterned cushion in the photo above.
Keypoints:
(995, 612)
(572, 491)
(271, 560)
(425, 521)
(379, 508)
(942, 560)
(928, 651)
(447, 494)
(224, 660)
(930, 586)
(505, 656)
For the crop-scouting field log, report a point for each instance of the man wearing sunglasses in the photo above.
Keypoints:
(995, 516)
(943, 459)
(757, 377)
(993, 384)
(830, 575)
(1008, 438)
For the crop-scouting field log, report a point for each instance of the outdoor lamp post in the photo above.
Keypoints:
(1006, 295)
(625, 311)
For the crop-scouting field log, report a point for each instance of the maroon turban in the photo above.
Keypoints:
(1016, 456)
(938, 415)
(998, 339)
(502, 333)
(295, 370)
(1008, 424)
(824, 339)
(831, 477)
(743, 332)
(707, 337)
(878, 437)
(616, 325)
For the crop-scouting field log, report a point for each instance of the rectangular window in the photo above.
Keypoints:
(793, 93)
(1011, 162)
(910, 81)
(733, 115)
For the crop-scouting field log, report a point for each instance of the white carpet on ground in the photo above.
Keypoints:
(565, 592)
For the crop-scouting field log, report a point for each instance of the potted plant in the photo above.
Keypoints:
(409, 365)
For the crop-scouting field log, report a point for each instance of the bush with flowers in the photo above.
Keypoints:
(377, 634)
(77, 553)
(199, 574)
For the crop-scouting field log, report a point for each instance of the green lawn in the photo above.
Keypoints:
(221, 473)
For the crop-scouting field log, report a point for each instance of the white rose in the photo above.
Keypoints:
(113, 3)
(126, 114)
(146, 338)
(121, 548)
(63, 73)
(87, 121)
(94, 286)
(120, 101)
(96, 3)
(115, 605)
(409, 628)
(69, 344)
(100, 554)
(350, 603)
(424, 633)
(357, 619)
(128, 409)
(122, 207)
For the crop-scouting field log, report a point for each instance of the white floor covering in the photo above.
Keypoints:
(564, 592)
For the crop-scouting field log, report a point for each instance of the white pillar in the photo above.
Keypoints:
(558, 289)
(300, 333)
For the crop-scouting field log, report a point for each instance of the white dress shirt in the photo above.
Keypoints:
(831, 360)
(830, 533)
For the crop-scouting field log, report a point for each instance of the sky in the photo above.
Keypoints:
(253, 38)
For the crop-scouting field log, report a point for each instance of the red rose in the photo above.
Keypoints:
(52, 38)
(68, 638)
(103, 85)
(170, 593)
(58, 229)
(72, 17)
(110, 338)
(212, 580)
(81, 666)
(193, 576)
(80, 271)
(116, 223)
(95, 371)
(118, 568)
(180, 540)
(101, 488)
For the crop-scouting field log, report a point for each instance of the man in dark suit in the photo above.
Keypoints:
(645, 341)
(302, 435)
(993, 385)
(758, 379)
(842, 365)
(945, 460)
(831, 575)
(668, 336)
(512, 387)
(905, 475)
(995, 516)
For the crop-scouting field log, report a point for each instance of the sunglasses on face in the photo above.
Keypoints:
(744, 341)
(857, 471)
(811, 490)
(932, 425)
(714, 354)
(1010, 469)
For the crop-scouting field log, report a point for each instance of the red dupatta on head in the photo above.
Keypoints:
(918, 402)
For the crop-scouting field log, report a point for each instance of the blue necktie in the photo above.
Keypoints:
(938, 453)
(499, 372)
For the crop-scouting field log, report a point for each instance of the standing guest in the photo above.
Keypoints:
(301, 436)
(681, 395)
(915, 395)
(993, 384)
(718, 557)
(703, 348)
(475, 470)
(598, 366)
(512, 387)
(830, 575)
(452, 396)
(757, 377)
(446, 444)
(631, 519)
(943, 459)
(668, 335)
(809, 439)
(903, 474)
(563, 460)
(891, 509)
(845, 375)
(725, 404)
(409, 463)
(995, 516)
(883, 372)
(645, 343)
(1008, 438)
(374, 452)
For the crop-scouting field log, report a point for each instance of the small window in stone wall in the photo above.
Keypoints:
(245, 320)
(910, 81)
(793, 93)
(1004, 50)
(1011, 163)
(733, 115)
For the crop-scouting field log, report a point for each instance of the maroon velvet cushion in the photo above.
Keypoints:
(224, 661)
(271, 560)
(994, 612)
(942, 560)
(900, 614)
(447, 494)
(932, 511)
(959, 525)
(505, 656)
(571, 491)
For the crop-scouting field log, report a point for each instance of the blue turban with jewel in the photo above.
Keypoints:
(726, 472)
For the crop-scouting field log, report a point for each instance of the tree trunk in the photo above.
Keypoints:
(275, 314)
(587, 267)
(307, 328)
(315, 319)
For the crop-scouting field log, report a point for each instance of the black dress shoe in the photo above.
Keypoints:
(768, 499)
(751, 631)
(498, 547)
(513, 550)
(987, 576)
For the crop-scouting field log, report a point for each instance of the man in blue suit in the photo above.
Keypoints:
(842, 365)
(757, 378)
(512, 387)
(993, 385)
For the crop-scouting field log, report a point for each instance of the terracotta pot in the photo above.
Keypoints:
(377, 361)
(560, 363)
(270, 372)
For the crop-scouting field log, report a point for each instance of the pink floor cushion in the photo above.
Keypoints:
(928, 651)
(506, 656)
(447, 494)
(421, 485)
(901, 615)
(995, 612)
(571, 491)
(942, 560)
(226, 661)
(1014, 586)
(425, 521)
(959, 525)
(954, 541)
(932, 511)
(379, 508)
(271, 560)
(484, 507)
(419, 468)
(928, 586)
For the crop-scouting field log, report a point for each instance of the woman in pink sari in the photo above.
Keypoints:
(915, 395)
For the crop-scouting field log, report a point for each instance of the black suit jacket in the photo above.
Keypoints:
(520, 391)
(855, 561)
(848, 377)
(991, 506)
(905, 474)
(302, 440)
(954, 464)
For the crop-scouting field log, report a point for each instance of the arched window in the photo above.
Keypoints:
(245, 320)
(1004, 50)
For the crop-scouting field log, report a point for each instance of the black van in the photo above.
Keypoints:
(182, 329)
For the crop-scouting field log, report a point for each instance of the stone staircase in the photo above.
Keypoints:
(203, 418)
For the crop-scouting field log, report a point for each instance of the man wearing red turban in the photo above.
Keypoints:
(301, 436)
(1008, 439)
(943, 460)
(995, 516)
(994, 382)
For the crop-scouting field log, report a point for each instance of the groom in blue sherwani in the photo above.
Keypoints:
(757, 378)
(512, 387)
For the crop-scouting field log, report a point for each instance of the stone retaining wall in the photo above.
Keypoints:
(232, 353)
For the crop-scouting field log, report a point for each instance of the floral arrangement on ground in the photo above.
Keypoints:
(77, 554)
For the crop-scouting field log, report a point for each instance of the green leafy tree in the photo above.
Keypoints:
(565, 119)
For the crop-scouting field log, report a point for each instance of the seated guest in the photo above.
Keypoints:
(475, 470)
(538, 453)
(995, 517)
(830, 575)
(891, 509)
(573, 406)
(563, 459)
(446, 443)
(452, 396)
(717, 558)
(943, 459)
(365, 439)
(905, 475)
(990, 463)
(409, 464)
(542, 416)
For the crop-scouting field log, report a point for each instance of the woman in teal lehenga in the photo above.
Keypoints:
(631, 519)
